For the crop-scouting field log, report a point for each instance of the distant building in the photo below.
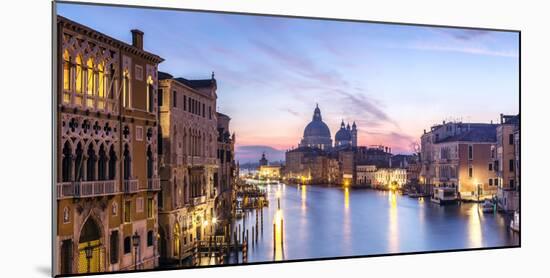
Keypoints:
(460, 155)
(390, 178)
(506, 164)
(263, 160)
(226, 176)
(317, 161)
(270, 172)
(311, 166)
(365, 175)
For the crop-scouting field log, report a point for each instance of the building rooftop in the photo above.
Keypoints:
(192, 83)
(474, 133)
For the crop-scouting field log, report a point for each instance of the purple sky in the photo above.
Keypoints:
(393, 80)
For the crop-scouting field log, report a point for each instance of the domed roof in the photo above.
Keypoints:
(317, 128)
(343, 135)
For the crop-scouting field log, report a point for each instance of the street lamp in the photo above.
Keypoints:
(89, 254)
(135, 242)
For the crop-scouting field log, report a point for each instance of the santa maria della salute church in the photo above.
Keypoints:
(317, 134)
(317, 160)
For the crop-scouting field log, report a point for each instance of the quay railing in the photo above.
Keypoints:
(86, 189)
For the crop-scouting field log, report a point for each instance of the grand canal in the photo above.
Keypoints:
(321, 221)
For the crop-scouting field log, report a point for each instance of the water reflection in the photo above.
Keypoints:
(319, 221)
(278, 243)
(304, 197)
(393, 232)
(346, 198)
(474, 226)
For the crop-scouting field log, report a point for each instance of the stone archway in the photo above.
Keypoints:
(91, 252)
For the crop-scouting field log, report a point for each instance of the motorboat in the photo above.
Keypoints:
(444, 195)
(487, 206)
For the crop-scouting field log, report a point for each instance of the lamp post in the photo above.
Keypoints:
(135, 243)
(89, 254)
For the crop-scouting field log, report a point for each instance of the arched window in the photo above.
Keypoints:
(112, 83)
(79, 80)
(126, 90)
(112, 163)
(66, 76)
(90, 164)
(66, 165)
(78, 163)
(90, 82)
(127, 163)
(101, 84)
(101, 164)
(150, 95)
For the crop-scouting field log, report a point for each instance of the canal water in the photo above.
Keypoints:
(321, 221)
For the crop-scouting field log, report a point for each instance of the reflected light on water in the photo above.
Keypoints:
(393, 229)
(474, 227)
(346, 198)
(279, 230)
(304, 197)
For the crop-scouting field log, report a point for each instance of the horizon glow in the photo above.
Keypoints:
(394, 81)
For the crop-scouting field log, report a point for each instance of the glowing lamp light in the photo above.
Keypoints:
(214, 220)
(205, 223)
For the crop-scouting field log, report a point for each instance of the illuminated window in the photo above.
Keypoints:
(112, 82)
(79, 79)
(126, 90)
(66, 75)
(150, 94)
(101, 85)
(90, 82)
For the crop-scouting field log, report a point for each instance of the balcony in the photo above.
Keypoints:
(153, 184)
(131, 186)
(86, 189)
(197, 200)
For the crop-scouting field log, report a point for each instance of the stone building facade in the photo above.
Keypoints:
(226, 176)
(106, 147)
(460, 155)
(188, 164)
(507, 162)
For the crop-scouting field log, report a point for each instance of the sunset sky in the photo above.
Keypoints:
(394, 81)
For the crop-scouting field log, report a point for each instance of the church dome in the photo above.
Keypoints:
(316, 129)
(343, 135)
(317, 133)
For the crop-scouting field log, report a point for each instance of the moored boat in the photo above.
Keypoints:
(487, 206)
(444, 196)
(514, 223)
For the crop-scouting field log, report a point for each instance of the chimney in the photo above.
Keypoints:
(137, 38)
